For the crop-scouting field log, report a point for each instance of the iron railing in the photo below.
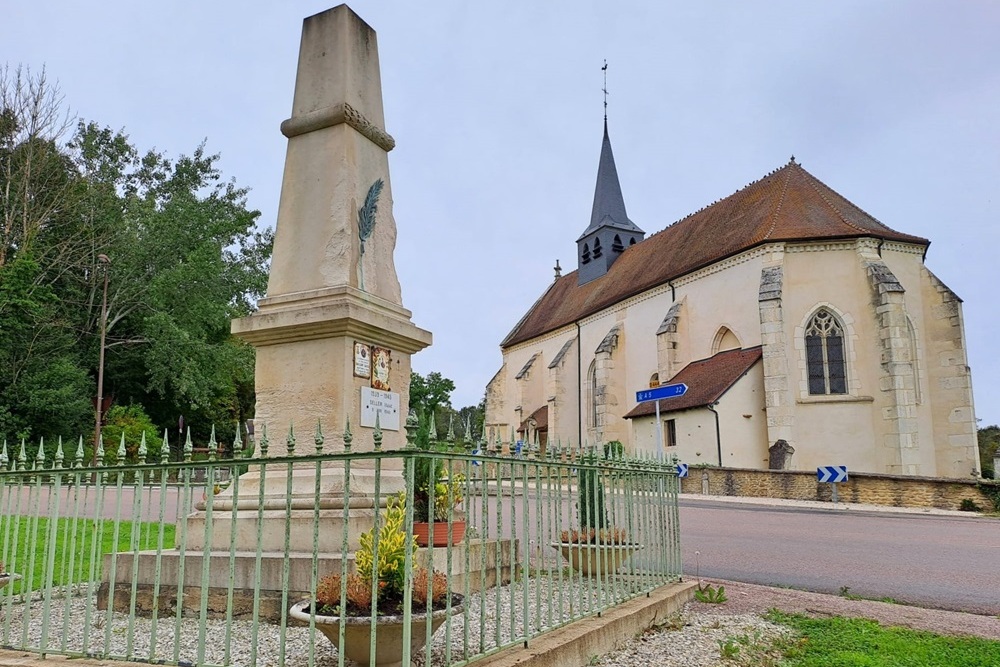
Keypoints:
(139, 561)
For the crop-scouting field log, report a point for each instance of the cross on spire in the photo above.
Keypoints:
(605, 89)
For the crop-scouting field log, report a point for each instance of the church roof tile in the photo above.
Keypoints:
(789, 204)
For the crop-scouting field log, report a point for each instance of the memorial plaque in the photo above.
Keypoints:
(381, 367)
(385, 404)
(362, 360)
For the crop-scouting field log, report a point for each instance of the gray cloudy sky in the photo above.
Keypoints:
(496, 111)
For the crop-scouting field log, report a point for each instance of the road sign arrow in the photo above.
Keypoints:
(831, 474)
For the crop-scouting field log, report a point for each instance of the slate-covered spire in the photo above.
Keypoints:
(609, 204)
(610, 230)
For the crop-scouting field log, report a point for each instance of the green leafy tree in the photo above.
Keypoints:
(44, 388)
(186, 256)
(430, 398)
(989, 443)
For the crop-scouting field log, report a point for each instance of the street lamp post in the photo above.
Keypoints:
(106, 263)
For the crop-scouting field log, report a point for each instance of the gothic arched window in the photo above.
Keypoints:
(586, 253)
(616, 245)
(597, 248)
(825, 354)
(593, 395)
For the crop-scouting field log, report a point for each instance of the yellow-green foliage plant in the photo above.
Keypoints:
(390, 569)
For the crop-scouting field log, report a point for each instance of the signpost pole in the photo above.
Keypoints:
(834, 493)
(659, 434)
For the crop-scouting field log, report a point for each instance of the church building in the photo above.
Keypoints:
(807, 333)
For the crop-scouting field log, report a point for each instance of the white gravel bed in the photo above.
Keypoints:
(492, 619)
(694, 640)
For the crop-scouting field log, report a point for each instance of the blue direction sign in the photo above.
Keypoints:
(832, 474)
(682, 470)
(664, 391)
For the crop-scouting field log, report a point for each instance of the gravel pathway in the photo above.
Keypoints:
(492, 619)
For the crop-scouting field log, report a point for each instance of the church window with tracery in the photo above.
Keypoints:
(825, 354)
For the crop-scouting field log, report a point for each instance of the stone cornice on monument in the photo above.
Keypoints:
(334, 311)
(335, 115)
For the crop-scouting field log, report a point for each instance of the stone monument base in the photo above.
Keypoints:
(271, 578)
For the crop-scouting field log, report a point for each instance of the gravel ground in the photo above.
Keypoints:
(489, 617)
(692, 639)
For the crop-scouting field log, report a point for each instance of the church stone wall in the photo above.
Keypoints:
(924, 329)
(949, 380)
(833, 429)
(743, 421)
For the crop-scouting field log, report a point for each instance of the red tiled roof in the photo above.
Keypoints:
(789, 204)
(541, 417)
(707, 380)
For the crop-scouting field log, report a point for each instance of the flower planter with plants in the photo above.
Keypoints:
(448, 522)
(384, 575)
(438, 492)
(595, 548)
(594, 552)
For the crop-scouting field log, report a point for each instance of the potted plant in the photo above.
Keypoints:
(448, 521)
(384, 573)
(432, 479)
(595, 548)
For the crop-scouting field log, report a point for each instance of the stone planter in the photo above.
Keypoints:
(421, 533)
(7, 578)
(591, 559)
(389, 638)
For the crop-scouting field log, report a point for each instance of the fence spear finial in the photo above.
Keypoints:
(377, 435)
(78, 456)
(318, 438)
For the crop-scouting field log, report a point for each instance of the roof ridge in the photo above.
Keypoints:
(517, 326)
(721, 199)
(777, 210)
(873, 218)
(833, 207)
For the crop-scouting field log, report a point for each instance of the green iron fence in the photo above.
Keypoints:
(155, 561)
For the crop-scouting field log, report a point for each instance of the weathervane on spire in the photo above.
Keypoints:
(605, 89)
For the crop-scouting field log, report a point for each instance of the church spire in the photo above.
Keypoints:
(610, 231)
(609, 203)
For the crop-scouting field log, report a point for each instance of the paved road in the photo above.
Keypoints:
(947, 562)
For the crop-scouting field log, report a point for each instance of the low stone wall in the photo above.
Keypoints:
(892, 490)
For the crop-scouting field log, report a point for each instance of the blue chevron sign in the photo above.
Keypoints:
(663, 391)
(682, 470)
(832, 474)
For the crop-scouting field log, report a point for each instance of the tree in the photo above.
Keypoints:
(429, 397)
(989, 443)
(186, 257)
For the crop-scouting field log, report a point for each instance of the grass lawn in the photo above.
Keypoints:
(25, 543)
(855, 642)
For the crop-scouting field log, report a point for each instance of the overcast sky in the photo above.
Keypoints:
(496, 109)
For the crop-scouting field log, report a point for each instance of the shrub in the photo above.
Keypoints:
(389, 570)
(968, 505)
(590, 501)
(133, 421)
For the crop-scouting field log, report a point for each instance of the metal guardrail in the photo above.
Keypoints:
(122, 562)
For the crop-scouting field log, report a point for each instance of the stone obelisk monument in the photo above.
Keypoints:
(332, 327)
(332, 338)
